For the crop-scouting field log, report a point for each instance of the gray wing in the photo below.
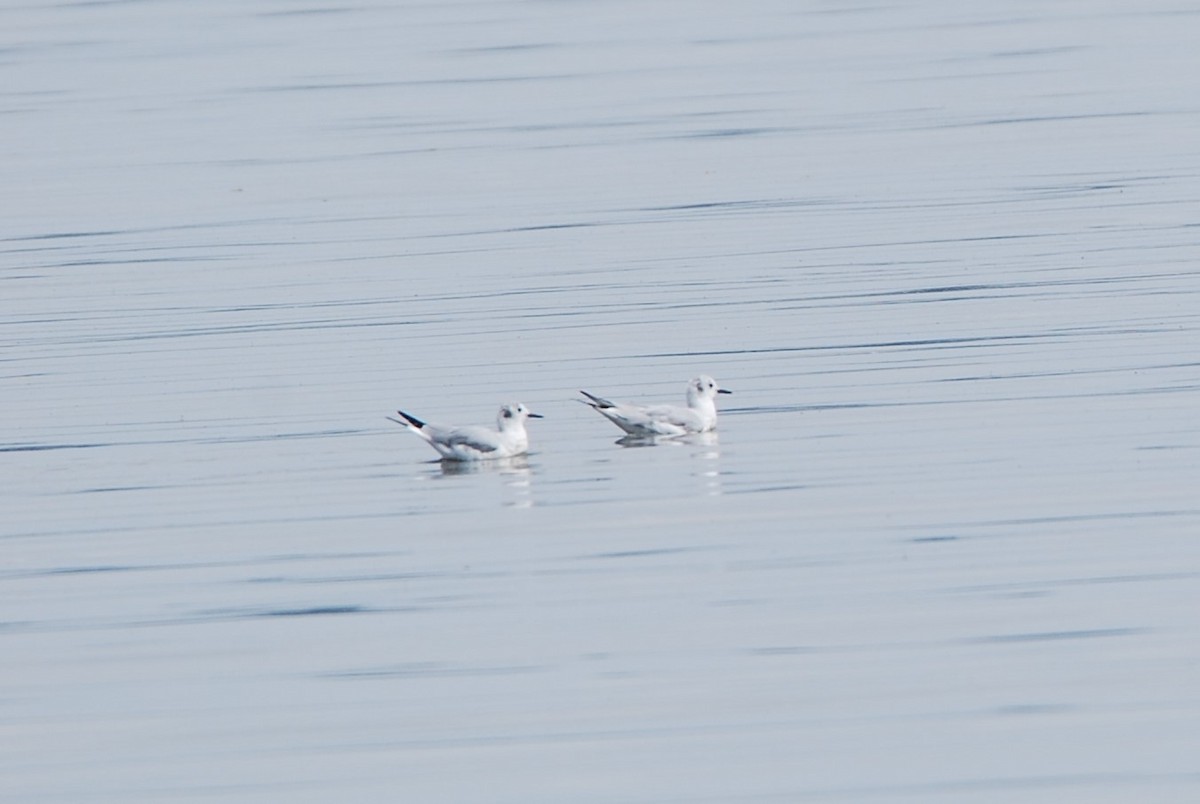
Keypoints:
(656, 420)
(478, 438)
(673, 414)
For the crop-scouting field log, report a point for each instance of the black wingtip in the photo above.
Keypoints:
(413, 420)
(597, 401)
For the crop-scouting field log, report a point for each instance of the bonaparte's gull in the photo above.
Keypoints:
(476, 442)
(699, 416)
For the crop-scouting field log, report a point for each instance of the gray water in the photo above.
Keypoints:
(944, 547)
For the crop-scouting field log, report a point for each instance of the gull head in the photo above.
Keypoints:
(514, 414)
(704, 387)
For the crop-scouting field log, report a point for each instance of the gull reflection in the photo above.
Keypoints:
(516, 474)
(516, 465)
(705, 447)
(708, 439)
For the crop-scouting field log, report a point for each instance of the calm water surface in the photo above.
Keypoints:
(944, 547)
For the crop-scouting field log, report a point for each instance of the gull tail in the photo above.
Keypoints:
(596, 401)
(409, 420)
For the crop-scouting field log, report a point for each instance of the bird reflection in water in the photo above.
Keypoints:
(516, 472)
(705, 448)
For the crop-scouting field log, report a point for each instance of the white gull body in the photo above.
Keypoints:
(700, 415)
(475, 442)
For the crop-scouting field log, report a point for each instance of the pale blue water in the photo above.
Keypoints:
(943, 548)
